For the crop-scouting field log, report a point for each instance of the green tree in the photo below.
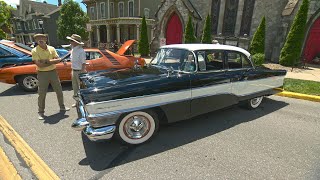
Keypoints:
(143, 46)
(5, 15)
(291, 51)
(72, 20)
(258, 41)
(206, 35)
(258, 59)
(189, 33)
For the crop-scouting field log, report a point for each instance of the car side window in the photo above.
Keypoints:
(236, 60)
(209, 60)
(246, 62)
(188, 63)
(93, 55)
(87, 55)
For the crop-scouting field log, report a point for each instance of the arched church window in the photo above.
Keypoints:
(247, 17)
(215, 9)
(230, 17)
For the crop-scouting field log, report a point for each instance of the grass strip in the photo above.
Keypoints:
(302, 86)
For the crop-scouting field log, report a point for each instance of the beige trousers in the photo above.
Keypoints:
(75, 81)
(45, 78)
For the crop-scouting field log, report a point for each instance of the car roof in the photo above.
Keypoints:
(196, 47)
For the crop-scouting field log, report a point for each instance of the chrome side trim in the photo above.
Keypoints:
(140, 101)
(96, 134)
(238, 88)
(104, 119)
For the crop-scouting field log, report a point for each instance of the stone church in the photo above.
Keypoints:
(235, 21)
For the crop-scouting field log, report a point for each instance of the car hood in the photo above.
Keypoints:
(125, 47)
(113, 77)
(127, 83)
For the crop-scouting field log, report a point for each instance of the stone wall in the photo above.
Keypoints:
(277, 25)
(204, 9)
(272, 10)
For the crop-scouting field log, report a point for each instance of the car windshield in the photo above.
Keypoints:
(175, 59)
(23, 46)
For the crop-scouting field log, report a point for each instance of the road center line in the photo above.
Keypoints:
(7, 170)
(36, 164)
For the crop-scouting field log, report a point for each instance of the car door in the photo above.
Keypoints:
(211, 85)
(64, 70)
(239, 68)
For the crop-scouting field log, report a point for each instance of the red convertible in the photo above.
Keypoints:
(97, 59)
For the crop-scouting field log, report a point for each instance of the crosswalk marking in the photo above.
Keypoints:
(35, 163)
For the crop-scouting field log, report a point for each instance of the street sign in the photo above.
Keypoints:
(88, 27)
(163, 41)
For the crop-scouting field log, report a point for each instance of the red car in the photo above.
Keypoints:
(97, 59)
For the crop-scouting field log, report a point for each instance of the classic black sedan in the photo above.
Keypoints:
(181, 82)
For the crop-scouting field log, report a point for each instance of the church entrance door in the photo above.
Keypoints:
(312, 47)
(174, 30)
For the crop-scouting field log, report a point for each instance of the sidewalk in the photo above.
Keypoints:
(310, 72)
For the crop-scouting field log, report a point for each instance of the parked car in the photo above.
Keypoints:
(181, 82)
(16, 53)
(97, 59)
(13, 54)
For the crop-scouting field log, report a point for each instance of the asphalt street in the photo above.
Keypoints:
(279, 140)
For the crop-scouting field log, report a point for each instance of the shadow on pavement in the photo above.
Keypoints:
(16, 90)
(55, 118)
(104, 156)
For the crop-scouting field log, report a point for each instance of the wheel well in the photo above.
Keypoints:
(17, 77)
(161, 115)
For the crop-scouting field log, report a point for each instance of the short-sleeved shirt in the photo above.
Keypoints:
(39, 54)
(78, 57)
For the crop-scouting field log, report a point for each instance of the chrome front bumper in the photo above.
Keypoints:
(94, 134)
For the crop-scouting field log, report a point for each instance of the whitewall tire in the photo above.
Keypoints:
(137, 127)
(255, 102)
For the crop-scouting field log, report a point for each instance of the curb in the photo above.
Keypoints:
(299, 96)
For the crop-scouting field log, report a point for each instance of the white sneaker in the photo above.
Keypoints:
(74, 105)
(41, 116)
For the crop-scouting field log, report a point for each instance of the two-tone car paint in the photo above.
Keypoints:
(173, 94)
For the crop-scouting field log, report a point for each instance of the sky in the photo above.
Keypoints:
(54, 2)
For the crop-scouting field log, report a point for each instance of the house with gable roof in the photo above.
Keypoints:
(31, 18)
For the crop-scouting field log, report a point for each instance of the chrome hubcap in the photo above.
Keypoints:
(137, 127)
(256, 101)
(30, 82)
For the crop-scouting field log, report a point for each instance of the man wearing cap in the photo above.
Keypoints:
(78, 62)
(46, 58)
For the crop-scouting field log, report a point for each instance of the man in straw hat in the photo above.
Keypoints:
(46, 58)
(78, 62)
